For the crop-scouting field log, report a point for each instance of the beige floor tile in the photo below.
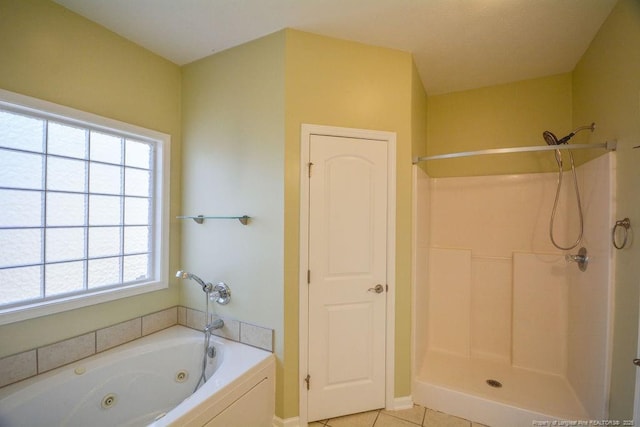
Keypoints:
(385, 420)
(478, 425)
(316, 424)
(415, 414)
(363, 419)
(440, 419)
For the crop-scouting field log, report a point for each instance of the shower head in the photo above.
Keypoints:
(180, 274)
(551, 139)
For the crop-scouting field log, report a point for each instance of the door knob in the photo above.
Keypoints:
(378, 289)
(636, 362)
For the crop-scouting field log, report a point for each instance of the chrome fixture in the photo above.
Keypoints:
(199, 219)
(551, 140)
(219, 293)
(581, 259)
(624, 224)
(206, 287)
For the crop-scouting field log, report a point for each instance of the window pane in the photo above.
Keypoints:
(104, 272)
(136, 211)
(106, 148)
(64, 244)
(136, 267)
(66, 175)
(65, 209)
(20, 247)
(105, 179)
(21, 132)
(19, 284)
(138, 154)
(137, 182)
(64, 278)
(104, 241)
(104, 210)
(136, 240)
(20, 208)
(20, 170)
(66, 140)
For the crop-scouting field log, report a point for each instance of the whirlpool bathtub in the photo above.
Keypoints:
(150, 381)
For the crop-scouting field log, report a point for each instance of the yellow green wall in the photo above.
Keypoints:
(50, 53)
(340, 83)
(233, 154)
(606, 90)
(508, 115)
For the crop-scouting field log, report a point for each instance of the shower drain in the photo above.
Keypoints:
(494, 383)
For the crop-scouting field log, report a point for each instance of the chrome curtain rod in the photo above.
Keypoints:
(609, 146)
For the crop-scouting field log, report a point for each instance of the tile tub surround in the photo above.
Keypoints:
(36, 361)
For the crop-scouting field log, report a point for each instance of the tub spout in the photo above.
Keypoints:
(216, 324)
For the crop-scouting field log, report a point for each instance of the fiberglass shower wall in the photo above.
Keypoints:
(491, 288)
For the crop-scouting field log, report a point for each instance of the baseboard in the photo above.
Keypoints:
(400, 403)
(289, 422)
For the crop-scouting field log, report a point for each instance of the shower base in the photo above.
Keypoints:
(458, 386)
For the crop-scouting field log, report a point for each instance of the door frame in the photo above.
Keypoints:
(303, 322)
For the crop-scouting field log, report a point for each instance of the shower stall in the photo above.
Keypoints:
(507, 329)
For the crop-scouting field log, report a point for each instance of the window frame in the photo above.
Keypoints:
(159, 239)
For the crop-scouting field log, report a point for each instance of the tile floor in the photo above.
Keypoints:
(416, 416)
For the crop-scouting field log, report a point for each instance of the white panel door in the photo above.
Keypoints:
(347, 260)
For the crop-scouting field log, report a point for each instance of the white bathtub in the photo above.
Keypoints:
(144, 383)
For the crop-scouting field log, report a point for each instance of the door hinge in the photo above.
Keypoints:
(308, 277)
(386, 288)
(310, 165)
(308, 381)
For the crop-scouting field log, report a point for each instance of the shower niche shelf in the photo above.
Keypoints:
(199, 219)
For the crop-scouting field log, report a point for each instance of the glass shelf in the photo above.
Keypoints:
(244, 219)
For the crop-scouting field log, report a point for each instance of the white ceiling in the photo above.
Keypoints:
(456, 44)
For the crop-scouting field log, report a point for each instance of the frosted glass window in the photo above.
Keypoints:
(65, 244)
(136, 267)
(82, 209)
(106, 148)
(20, 247)
(64, 209)
(138, 154)
(104, 272)
(136, 211)
(64, 278)
(136, 239)
(137, 182)
(104, 241)
(66, 175)
(104, 210)
(20, 208)
(105, 179)
(20, 170)
(20, 284)
(21, 132)
(65, 140)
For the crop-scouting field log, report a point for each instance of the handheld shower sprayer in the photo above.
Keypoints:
(551, 139)
(206, 287)
(219, 293)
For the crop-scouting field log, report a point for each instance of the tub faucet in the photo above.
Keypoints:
(216, 324)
